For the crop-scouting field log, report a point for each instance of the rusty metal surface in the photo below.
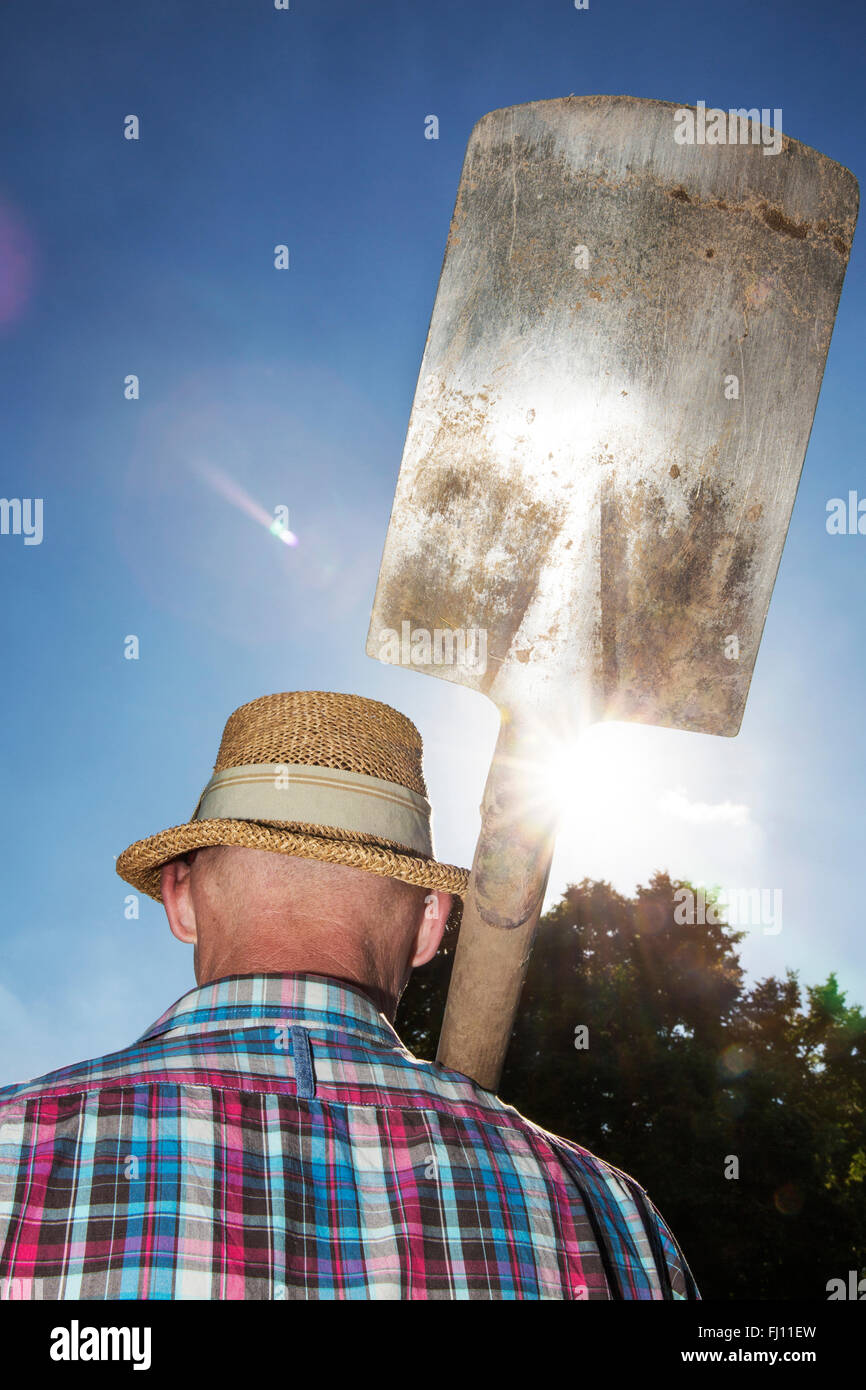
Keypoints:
(574, 481)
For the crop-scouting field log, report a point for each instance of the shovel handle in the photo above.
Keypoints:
(501, 909)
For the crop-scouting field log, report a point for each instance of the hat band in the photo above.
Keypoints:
(319, 796)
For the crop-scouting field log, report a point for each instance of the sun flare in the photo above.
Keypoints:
(597, 766)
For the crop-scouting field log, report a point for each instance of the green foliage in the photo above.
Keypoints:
(685, 1070)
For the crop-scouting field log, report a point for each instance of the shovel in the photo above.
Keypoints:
(607, 435)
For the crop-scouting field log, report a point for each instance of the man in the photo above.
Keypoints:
(269, 1137)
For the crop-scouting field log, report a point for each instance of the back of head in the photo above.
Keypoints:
(256, 911)
(249, 893)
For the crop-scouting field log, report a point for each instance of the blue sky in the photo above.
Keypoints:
(155, 257)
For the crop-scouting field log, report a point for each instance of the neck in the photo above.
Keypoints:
(385, 994)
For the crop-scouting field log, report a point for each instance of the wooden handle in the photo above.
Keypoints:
(502, 908)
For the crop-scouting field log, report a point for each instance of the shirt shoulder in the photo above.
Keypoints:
(78, 1076)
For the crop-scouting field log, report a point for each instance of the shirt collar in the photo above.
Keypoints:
(247, 1001)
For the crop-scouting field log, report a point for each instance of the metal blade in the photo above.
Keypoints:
(605, 443)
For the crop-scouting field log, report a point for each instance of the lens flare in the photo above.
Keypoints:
(16, 266)
(736, 1060)
(789, 1198)
(235, 494)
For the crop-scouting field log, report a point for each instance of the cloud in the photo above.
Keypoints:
(677, 803)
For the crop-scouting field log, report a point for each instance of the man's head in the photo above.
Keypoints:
(249, 911)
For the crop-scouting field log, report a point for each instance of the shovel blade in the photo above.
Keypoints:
(612, 412)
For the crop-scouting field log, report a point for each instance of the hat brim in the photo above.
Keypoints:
(140, 864)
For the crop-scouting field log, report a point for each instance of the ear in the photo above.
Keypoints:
(437, 907)
(177, 900)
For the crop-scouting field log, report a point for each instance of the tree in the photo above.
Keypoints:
(741, 1110)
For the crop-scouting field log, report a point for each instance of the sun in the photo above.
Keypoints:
(566, 773)
(600, 772)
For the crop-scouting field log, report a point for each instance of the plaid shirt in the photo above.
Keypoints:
(270, 1137)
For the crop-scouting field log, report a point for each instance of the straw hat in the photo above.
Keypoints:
(317, 775)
